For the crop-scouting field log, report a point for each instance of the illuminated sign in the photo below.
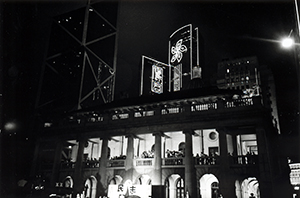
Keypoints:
(183, 64)
(180, 57)
(157, 79)
(177, 51)
(154, 76)
(125, 190)
(177, 78)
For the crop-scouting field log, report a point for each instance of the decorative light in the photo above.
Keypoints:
(177, 51)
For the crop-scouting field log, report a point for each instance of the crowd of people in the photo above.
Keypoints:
(174, 154)
(202, 159)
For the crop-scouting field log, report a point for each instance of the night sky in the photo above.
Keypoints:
(230, 29)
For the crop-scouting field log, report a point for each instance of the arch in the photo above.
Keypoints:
(143, 180)
(250, 186)
(238, 190)
(167, 187)
(206, 182)
(171, 183)
(180, 188)
(117, 179)
(90, 187)
(68, 182)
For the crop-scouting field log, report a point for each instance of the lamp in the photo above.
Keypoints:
(288, 42)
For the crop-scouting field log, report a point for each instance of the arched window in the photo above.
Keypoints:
(215, 190)
(180, 188)
(167, 185)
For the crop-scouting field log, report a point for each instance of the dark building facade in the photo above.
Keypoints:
(191, 141)
(200, 145)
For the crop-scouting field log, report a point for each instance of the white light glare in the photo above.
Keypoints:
(10, 126)
(287, 42)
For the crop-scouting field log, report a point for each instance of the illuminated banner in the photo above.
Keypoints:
(157, 81)
(124, 190)
(177, 79)
(154, 76)
(180, 56)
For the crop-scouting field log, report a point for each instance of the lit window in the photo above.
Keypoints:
(180, 188)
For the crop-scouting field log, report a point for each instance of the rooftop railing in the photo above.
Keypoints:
(163, 111)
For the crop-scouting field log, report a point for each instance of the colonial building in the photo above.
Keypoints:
(184, 139)
(200, 142)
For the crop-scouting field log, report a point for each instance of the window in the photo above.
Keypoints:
(180, 188)
(167, 185)
(215, 189)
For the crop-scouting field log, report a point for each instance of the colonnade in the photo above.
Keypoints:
(156, 178)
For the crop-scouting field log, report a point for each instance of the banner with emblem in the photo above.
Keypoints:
(180, 57)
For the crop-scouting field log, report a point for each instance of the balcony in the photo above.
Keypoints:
(148, 114)
(238, 163)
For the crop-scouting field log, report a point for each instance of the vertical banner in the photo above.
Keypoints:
(157, 81)
(154, 76)
(180, 57)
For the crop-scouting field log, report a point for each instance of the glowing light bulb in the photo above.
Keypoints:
(287, 42)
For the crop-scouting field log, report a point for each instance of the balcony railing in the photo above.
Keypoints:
(116, 163)
(162, 111)
(209, 160)
(173, 161)
(143, 162)
(242, 160)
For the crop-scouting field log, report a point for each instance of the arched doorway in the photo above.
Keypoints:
(215, 190)
(250, 188)
(209, 186)
(90, 187)
(180, 188)
(68, 182)
(174, 186)
(68, 185)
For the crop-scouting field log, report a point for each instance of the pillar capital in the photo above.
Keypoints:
(222, 129)
(158, 134)
(191, 131)
(105, 138)
(130, 135)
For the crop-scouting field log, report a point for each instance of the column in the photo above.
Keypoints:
(78, 180)
(234, 159)
(56, 163)
(129, 158)
(265, 181)
(190, 172)
(157, 176)
(227, 186)
(101, 184)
